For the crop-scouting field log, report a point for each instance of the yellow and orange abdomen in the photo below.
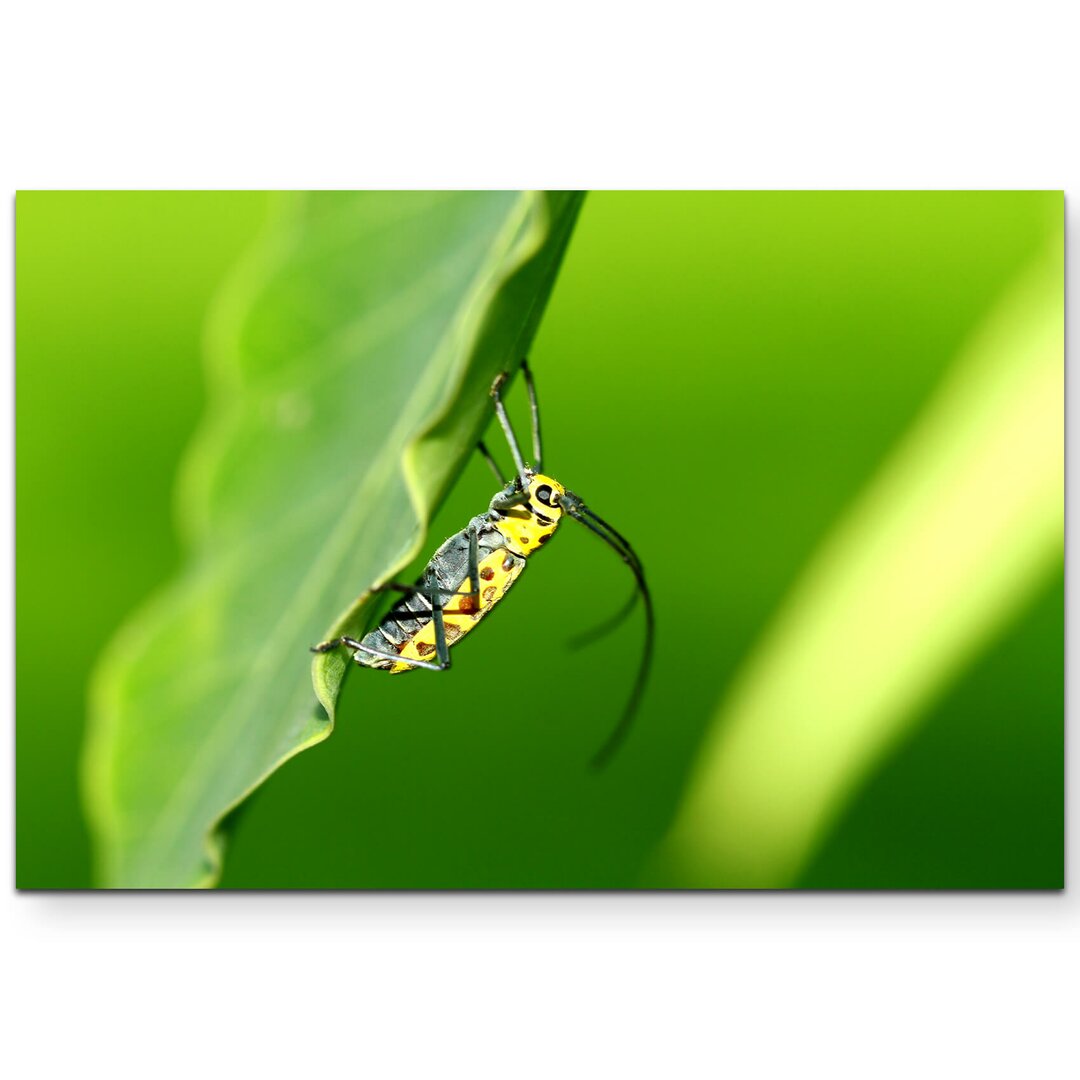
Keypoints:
(498, 571)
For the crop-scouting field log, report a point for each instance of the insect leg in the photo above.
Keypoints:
(333, 643)
(435, 596)
(474, 568)
(417, 590)
(534, 412)
(508, 431)
(492, 462)
(442, 650)
(430, 594)
(407, 615)
(503, 502)
(359, 646)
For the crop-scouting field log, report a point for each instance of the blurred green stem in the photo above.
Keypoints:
(962, 522)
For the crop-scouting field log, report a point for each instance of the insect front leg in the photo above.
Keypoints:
(508, 431)
(507, 500)
(534, 412)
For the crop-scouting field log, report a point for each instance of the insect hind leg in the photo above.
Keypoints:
(359, 646)
(434, 596)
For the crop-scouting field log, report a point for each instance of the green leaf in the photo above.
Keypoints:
(350, 359)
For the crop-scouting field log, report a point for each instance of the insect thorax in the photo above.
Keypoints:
(527, 527)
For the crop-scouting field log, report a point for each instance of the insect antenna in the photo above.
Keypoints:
(611, 623)
(618, 536)
(594, 523)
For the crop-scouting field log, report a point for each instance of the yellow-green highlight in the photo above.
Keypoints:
(949, 539)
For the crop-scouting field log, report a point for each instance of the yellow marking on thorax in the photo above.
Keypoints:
(523, 532)
(497, 574)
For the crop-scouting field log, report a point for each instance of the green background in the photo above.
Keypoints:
(720, 374)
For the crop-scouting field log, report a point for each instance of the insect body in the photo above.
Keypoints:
(503, 541)
(475, 568)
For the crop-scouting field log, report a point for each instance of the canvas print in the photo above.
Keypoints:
(540, 540)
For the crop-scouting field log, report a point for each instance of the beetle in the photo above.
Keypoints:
(474, 569)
